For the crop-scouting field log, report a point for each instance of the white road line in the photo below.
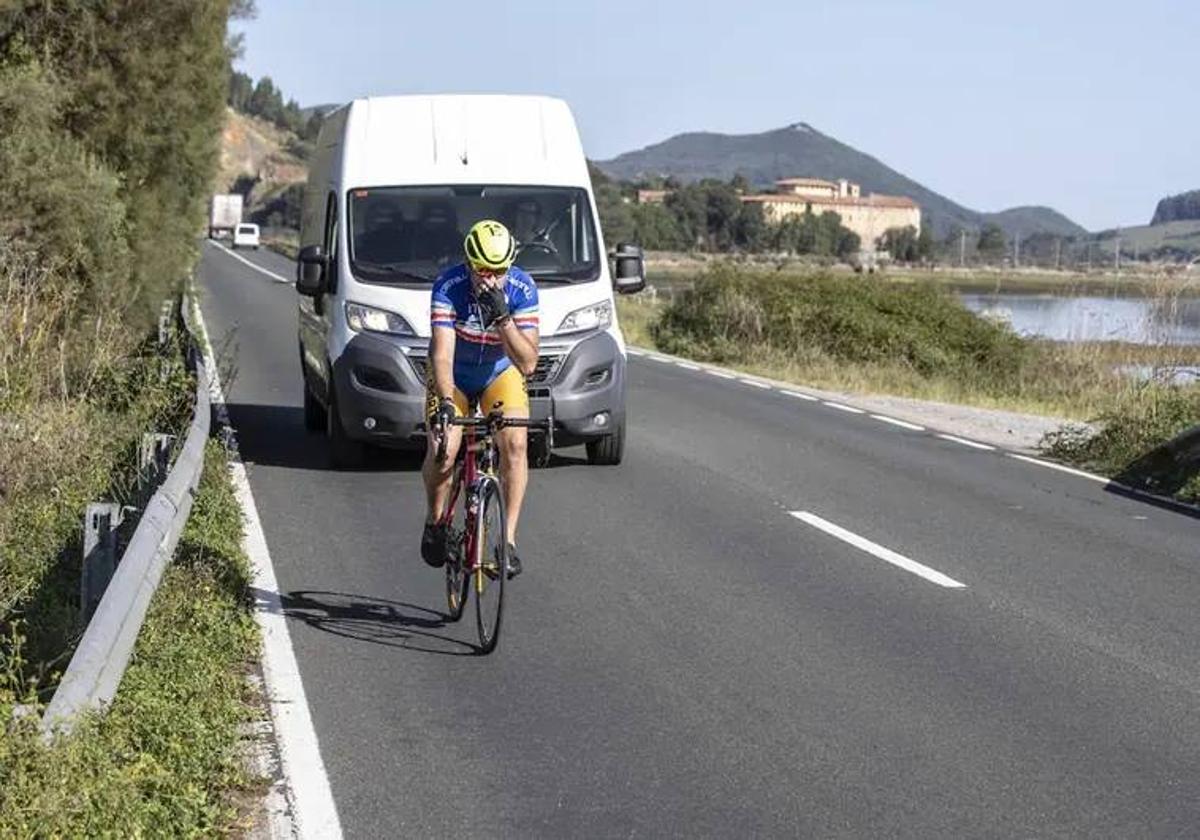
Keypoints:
(663, 359)
(901, 423)
(755, 383)
(969, 443)
(849, 409)
(688, 366)
(885, 554)
(278, 278)
(1068, 470)
(800, 396)
(632, 352)
(313, 811)
(720, 373)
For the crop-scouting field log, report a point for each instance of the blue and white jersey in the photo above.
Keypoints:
(479, 356)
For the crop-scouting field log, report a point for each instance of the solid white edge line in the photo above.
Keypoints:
(849, 409)
(885, 554)
(310, 798)
(719, 373)
(278, 278)
(1068, 470)
(632, 352)
(903, 424)
(687, 366)
(756, 384)
(965, 442)
(801, 396)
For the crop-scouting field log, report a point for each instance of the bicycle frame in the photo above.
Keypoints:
(466, 476)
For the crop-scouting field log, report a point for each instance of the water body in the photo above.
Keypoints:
(1135, 320)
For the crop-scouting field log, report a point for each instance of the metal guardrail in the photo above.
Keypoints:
(99, 662)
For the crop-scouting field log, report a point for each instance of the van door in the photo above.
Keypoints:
(314, 312)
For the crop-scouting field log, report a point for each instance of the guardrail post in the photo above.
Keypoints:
(164, 323)
(100, 524)
(154, 456)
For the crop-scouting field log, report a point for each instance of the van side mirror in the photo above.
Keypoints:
(629, 269)
(311, 265)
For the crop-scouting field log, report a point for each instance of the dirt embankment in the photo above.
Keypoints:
(254, 152)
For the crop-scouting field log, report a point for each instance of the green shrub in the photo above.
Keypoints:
(739, 316)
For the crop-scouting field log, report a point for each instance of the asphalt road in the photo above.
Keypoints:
(686, 657)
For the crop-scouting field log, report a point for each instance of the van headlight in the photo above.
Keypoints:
(595, 317)
(362, 318)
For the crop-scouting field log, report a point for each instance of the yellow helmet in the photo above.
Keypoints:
(490, 247)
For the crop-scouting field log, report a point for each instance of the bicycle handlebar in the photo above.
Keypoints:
(492, 422)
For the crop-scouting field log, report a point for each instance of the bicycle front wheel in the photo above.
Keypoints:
(490, 564)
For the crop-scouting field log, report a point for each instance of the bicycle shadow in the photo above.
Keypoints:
(379, 621)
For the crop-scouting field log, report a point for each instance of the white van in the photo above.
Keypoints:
(245, 235)
(395, 184)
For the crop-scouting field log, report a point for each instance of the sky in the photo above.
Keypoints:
(1088, 106)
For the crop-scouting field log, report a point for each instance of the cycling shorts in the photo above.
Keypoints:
(508, 388)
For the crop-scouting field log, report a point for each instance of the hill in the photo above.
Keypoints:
(801, 150)
(1175, 208)
(261, 161)
(1169, 240)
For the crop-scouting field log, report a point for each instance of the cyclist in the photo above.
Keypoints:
(484, 342)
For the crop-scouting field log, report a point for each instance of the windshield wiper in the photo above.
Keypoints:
(393, 268)
(551, 279)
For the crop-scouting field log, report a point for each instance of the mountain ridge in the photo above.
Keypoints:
(800, 150)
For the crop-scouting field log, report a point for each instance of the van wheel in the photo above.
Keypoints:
(315, 418)
(344, 451)
(608, 450)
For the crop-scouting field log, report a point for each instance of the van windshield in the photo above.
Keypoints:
(410, 234)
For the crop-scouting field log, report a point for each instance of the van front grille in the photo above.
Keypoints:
(547, 368)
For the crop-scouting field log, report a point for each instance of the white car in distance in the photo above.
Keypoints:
(245, 236)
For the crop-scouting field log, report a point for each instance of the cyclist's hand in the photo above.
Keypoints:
(493, 305)
(442, 416)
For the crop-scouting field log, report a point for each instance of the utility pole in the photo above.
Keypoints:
(1058, 254)
(1117, 254)
(1089, 256)
(962, 248)
(1017, 250)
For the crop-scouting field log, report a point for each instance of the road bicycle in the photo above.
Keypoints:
(477, 549)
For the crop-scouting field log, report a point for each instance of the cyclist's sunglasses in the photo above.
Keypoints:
(489, 273)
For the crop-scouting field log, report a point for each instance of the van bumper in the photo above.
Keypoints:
(380, 389)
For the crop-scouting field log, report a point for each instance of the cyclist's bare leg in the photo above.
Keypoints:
(514, 473)
(437, 474)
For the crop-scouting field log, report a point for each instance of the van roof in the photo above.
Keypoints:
(461, 139)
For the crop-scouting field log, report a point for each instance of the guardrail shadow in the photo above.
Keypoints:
(274, 435)
(377, 621)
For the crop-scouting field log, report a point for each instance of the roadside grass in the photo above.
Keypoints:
(869, 335)
(76, 395)
(165, 759)
(283, 241)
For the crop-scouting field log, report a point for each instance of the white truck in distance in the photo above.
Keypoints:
(224, 214)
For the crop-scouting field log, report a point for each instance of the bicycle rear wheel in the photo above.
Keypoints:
(491, 563)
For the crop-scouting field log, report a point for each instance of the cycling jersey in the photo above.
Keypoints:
(479, 356)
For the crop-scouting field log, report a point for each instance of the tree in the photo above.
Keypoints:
(656, 228)
(926, 247)
(900, 242)
(992, 242)
(266, 101)
(241, 86)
